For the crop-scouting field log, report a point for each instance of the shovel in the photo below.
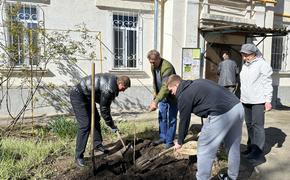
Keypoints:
(144, 163)
(120, 138)
(118, 155)
(189, 149)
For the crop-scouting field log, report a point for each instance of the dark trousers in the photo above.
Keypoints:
(82, 109)
(255, 118)
(232, 89)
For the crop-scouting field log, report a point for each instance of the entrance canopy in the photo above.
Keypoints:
(246, 30)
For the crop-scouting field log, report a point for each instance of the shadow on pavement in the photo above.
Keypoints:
(274, 138)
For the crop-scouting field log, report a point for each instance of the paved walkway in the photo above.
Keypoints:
(277, 166)
(277, 128)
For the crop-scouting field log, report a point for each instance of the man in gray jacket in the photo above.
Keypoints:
(256, 96)
(228, 72)
(107, 88)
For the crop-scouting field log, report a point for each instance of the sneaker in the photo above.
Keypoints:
(80, 162)
(157, 142)
(101, 148)
(224, 176)
(257, 161)
(256, 157)
(256, 153)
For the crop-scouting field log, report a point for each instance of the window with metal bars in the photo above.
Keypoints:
(278, 53)
(125, 29)
(22, 26)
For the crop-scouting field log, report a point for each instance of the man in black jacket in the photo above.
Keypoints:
(107, 87)
(224, 114)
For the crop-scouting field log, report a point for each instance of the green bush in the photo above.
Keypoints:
(63, 127)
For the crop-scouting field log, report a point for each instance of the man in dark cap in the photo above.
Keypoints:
(107, 87)
(256, 96)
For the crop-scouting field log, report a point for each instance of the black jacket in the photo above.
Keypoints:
(201, 97)
(106, 89)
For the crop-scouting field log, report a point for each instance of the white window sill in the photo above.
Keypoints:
(130, 73)
(21, 70)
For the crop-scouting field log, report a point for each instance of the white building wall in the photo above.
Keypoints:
(97, 16)
(181, 21)
(168, 37)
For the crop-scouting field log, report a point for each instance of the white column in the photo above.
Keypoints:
(259, 16)
(191, 23)
(269, 19)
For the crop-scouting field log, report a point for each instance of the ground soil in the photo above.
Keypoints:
(168, 167)
(165, 167)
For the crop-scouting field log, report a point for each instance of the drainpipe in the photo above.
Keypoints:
(202, 55)
(155, 23)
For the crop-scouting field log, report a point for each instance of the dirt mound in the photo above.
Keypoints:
(119, 168)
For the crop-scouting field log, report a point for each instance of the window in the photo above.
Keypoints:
(125, 40)
(278, 53)
(22, 24)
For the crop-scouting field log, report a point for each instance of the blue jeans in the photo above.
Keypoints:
(167, 121)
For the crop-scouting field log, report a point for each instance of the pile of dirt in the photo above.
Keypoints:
(119, 168)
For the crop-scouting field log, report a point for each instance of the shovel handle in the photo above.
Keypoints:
(144, 163)
(120, 138)
(165, 152)
(161, 154)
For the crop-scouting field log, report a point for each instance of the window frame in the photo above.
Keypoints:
(279, 64)
(138, 33)
(24, 58)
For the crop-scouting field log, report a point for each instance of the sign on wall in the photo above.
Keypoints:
(191, 63)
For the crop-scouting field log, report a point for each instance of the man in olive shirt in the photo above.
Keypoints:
(161, 70)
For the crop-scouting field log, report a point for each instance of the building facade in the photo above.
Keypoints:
(122, 33)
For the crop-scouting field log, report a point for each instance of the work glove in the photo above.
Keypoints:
(114, 129)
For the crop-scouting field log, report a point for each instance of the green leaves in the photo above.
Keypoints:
(63, 127)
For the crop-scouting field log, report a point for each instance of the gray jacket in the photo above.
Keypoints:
(106, 89)
(228, 72)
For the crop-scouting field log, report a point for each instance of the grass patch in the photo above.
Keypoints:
(143, 129)
(19, 157)
(63, 127)
(29, 154)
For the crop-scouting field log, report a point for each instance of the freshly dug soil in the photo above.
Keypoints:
(122, 168)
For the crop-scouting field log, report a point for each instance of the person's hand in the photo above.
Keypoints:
(268, 106)
(114, 129)
(176, 146)
(153, 106)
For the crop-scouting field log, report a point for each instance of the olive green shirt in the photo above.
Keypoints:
(166, 69)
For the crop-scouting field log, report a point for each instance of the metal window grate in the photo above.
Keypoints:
(125, 27)
(23, 43)
(278, 55)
